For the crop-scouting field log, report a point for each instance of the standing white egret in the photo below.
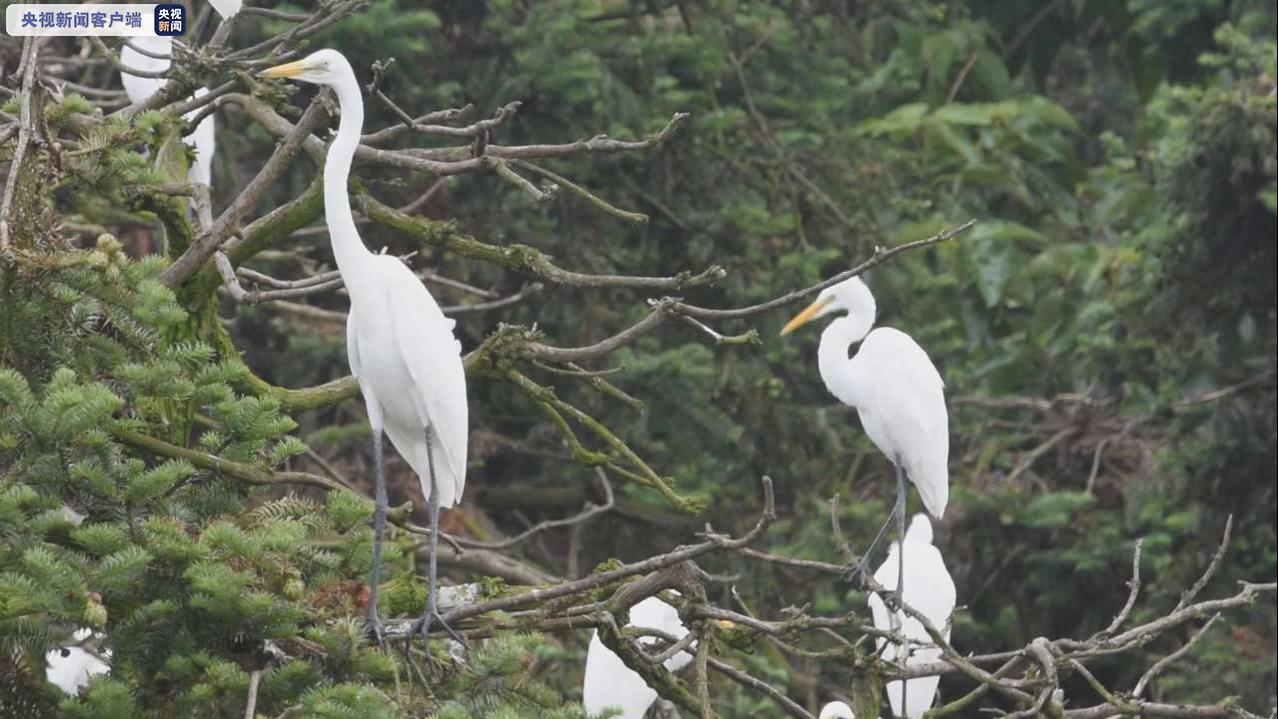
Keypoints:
(610, 684)
(72, 667)
(202, 139)
(836, 710)
(895, 389)
(931, 592)
(400, 345)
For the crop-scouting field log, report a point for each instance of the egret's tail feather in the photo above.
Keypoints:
(934, 489)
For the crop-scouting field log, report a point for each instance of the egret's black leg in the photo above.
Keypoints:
(372, 625)
(861, 567)
(900, 564)
(431, 614)
(900, 533)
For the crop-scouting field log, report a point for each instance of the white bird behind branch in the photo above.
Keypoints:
(610, 684)
(203, 138)
(71, 667)
(928, 589)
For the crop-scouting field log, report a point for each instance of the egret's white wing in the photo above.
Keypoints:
(906, 398)
(609, 683)
(424, 337)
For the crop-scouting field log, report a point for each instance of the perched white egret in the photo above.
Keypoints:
(930, 591)
(895, 389)
(400, 345)
(72, 667)
(202, 139)
(836, 710)
(610, 684)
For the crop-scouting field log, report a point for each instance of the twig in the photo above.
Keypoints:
(591, 510)
(637, 218)
(880, 256)
(1189, 594)
(250, 707)
(1166, 661)
(30, 58)
(962, 75)
(1134, 586)
(758, 685)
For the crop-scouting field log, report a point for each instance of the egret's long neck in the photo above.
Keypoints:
(833, 359)
(348, 249)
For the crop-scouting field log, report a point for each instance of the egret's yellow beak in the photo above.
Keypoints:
(288, 69)
(726, 624)
(804, 317)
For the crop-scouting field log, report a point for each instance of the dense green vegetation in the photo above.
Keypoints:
(1107, 332)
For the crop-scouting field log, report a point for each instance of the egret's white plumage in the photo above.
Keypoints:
(202, 139)
(928, 589)
(609, 683)
(836, 710)
(72, 670)
(402, 350)
(891, 382)
(400, 346)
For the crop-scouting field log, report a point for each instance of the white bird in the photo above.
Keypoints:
(400, 345)
(895, 389)
(227, 8)
(72, 667)
(931, 592)
(836, 710)
(610, 684)
(202, 140)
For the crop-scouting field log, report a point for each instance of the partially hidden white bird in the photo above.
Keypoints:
(203, 138)
(930, 591)
(71, 667)
(399, 344)
(610, 684)
(227, 8)
(895, 389)
(836, 710)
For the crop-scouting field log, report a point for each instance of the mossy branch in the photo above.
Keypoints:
(518, 258)
(638, 470)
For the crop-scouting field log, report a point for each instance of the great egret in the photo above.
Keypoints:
(72, 667)
(836, 710)
(610, 684)
(895, 389)
(931, 592)
(400, 346)
(138, 88)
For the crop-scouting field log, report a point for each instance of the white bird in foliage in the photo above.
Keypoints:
(400, 345)
(836, 710)
(930, 591)
(71, 667)
(895, 389)
(610, 684)
(139, 89)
